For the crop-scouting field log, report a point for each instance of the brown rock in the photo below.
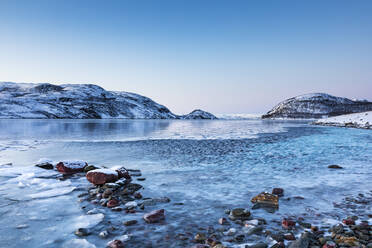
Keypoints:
(130, 222)
(266, 199)
(154, 216)
(113, 203)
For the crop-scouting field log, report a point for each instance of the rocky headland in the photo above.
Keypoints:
(317, 105)
(80, 101)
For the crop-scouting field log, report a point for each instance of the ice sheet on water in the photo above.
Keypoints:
(88, 221)
(81, 243)
(52, 192)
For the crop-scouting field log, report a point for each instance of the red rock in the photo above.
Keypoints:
(329, 244)
(154, 216)
(348, 221)
(288, 224)
(71, 167)
(278, 191)
(116, 244)
(113, 203)
(102, 176)
(122, 172)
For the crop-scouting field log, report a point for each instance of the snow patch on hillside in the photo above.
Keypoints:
(357, 120)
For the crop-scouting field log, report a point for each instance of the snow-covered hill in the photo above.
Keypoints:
(317, 105)
(357, 120)
(79, 101)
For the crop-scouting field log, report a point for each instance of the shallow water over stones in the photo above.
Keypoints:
(202, 177)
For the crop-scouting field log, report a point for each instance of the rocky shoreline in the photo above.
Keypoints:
(115, 195)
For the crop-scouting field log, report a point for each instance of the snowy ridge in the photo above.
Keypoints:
(317, 105)
(80, 101)
(357, 120)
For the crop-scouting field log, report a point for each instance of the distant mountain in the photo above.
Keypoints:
(198, 114)
(317, 105)
(80, 101)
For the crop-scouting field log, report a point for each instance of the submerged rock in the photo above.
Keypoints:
(334, 166)
(239, 214)
(71, 167)
(102, 176)
(154, 216)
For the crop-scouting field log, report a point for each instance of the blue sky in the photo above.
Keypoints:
(221, 56)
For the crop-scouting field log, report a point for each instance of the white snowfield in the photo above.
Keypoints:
(80, 101)
(357, 120)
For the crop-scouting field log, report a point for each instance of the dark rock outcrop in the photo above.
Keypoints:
(317, 105)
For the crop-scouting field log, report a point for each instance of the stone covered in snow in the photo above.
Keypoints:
(71, 167)
(317, 105)
(102, 176)
(77, 101)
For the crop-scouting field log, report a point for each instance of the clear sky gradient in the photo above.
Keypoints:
(221, 56)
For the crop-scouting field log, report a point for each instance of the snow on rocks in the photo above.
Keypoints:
(357, 120)
(80, 101)
(317, 105)
(45, 164)
(71, 167)
(102, 176)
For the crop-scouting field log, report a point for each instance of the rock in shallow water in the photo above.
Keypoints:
(102, 176)
(239, 214)
(334, 166)
(71, 167)
(155, 216)
(265, 199)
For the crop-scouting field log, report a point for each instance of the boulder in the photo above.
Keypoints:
(239, 214)
(154, 216)
(71, 167)
(265, 199)
(102, 176)
(278, 191)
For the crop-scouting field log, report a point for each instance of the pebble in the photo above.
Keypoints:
(130, 222)
(223, 221)
(81, 232)
(103, 234)
(130, 205)
(230, 232)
